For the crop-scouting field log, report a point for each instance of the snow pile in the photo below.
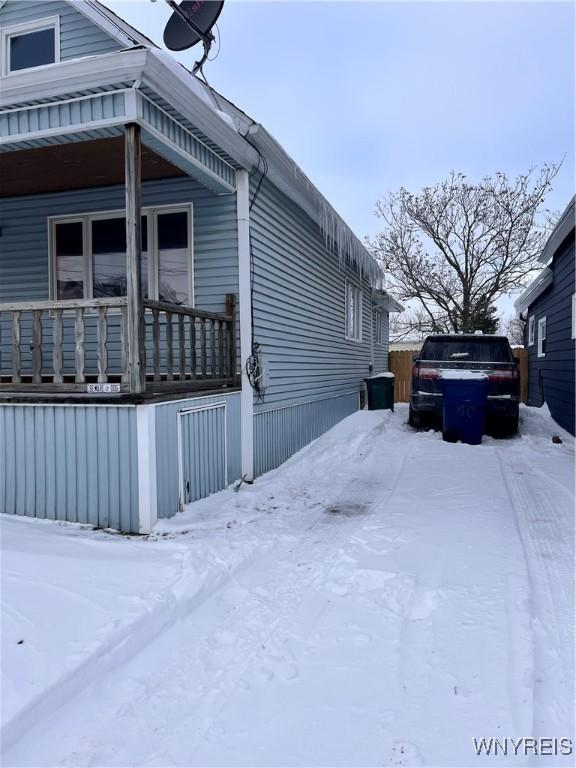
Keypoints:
(383, 375)
(382, 599)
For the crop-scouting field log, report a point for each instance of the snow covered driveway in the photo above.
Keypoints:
(382, 599)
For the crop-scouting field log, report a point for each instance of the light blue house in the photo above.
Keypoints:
(257, 313)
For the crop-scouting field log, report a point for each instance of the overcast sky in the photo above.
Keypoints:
(369, 96)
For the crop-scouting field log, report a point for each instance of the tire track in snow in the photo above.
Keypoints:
(233, 636)
(544, 521)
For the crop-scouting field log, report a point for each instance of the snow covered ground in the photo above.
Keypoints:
(382, 599)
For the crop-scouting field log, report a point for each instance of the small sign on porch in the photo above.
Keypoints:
(102, 389)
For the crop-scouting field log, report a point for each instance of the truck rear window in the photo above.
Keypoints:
(468, 350)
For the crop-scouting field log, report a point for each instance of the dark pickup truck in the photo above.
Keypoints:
(473, 352)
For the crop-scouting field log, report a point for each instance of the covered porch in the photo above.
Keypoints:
(120, 316)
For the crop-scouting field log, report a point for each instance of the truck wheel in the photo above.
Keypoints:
(511, 424)
(414, 419)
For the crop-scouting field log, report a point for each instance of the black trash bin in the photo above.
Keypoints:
(464, 416)
(380, 389)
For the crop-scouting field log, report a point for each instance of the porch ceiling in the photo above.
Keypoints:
(77, 165)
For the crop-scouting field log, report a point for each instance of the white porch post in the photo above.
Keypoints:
(147, 488)
(135, 320)
(245, 308)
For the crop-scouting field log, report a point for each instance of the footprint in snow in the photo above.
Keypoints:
(276, 668)
(405, 754)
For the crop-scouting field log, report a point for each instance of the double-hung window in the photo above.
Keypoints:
(353, 312)
(29, 45)
(531, 323)
(88, 255)
(574, 315)
(542, 337)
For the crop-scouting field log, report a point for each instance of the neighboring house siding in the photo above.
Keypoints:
(78, 35)
(551, 378)
(313, 373)
(73, 463)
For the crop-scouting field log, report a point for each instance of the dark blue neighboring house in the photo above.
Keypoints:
(549, 307)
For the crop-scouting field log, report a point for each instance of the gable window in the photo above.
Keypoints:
(378, 335)
(88, 256)
(29, 45)
(542, 337)
(353, 312)
(531, 323)
(574, 315)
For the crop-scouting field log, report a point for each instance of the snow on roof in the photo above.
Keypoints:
(536, 287)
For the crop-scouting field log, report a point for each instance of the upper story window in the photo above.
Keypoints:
(29, 45)
(353, 312)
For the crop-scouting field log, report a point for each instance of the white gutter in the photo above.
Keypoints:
(245, 291)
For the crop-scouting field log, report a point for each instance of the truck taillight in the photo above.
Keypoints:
(426, 371)
(504, 375)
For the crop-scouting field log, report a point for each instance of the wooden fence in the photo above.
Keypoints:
(401, 361)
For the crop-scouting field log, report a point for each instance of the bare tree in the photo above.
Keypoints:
(513, 327)
(456, 247)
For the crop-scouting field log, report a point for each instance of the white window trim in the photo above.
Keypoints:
(48, 22)
(349, 284)
(531, 328)
(541, 336)
(574, 315)
(86, 219)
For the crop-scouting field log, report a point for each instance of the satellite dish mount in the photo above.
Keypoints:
(190, 23)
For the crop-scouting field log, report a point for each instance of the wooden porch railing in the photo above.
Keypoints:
(52, 346)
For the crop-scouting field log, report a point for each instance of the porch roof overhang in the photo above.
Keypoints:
(95, 98)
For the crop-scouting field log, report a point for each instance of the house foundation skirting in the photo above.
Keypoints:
(280, 432)
(116, 466)
(125, 466)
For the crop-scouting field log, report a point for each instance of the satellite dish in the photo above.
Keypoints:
(191, 23)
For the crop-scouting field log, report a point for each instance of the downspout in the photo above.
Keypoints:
(245, 308)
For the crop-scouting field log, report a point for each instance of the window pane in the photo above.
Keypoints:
(109, 257)
(173, 258)
(69, 261)
(32, 50)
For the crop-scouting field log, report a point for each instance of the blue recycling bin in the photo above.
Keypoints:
(464, 414)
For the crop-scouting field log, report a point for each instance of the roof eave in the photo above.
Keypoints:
(534, 290)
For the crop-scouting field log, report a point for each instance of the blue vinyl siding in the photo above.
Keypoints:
(72, 463)
(551, 378)
(24, 241)
(167, 446)
(78, 35)
(299, 307)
